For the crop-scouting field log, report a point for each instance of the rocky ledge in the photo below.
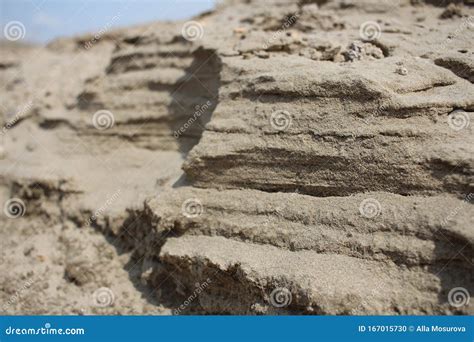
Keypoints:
(286, 157)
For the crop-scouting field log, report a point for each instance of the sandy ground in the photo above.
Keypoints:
(286, 157)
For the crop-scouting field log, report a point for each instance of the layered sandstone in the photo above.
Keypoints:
(284, 149)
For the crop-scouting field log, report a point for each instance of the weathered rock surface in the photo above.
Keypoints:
(327, 151)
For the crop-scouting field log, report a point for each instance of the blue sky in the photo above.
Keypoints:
(48, 19)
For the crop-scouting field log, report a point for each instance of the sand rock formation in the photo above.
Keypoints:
(283, 157)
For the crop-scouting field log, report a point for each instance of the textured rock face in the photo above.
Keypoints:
(298, 157)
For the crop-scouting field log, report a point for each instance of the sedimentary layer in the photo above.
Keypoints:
(295, 157)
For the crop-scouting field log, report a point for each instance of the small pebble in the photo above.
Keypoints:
(31, 146)
(402, 71)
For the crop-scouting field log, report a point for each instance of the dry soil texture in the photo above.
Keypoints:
(268, 157)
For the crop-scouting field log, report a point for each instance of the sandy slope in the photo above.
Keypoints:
(304, 157)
